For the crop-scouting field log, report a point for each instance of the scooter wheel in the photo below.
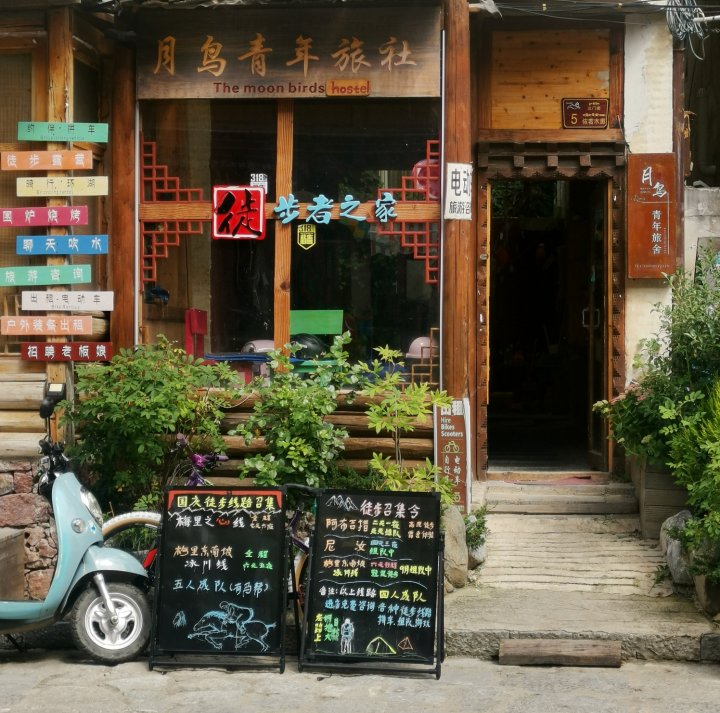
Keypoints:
(108, 642)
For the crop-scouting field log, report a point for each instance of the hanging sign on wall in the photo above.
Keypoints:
(651, 215)
(66, 351)
(61, 244)
(45, 275)
(45, 160)
(238, 213)
(290, 54)
(62, 186)
(61, 132)
(43, 216)
(67, 301)
(50, 326)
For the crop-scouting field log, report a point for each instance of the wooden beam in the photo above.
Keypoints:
(122, 147)
(560, 652)
(283, 232)
(459, 249)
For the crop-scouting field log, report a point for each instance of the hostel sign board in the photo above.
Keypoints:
(651, 215)
(290, 53)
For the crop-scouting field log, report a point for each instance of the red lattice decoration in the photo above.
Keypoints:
(158, 187)
(423, 185)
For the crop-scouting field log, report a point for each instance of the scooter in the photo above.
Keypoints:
(102, 589)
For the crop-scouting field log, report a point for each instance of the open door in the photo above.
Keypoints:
(548, 359)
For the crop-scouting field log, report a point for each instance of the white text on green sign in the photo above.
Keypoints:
(45, 275)
(59, 131)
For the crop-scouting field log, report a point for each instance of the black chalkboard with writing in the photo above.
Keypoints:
(222, 573)
(373, 593)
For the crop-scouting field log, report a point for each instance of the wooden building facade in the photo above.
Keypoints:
(435, 173)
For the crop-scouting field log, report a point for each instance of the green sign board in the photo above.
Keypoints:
(45, 275)
(59, 131)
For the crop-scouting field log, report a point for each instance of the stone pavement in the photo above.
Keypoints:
(62, 682)
(580, 577)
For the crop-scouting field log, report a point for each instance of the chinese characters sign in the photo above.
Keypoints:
(222, 572)
(373, 592)
(45, 160)
(61, 244)
(452, 447)
(43, 215)
(50, 326)
(651, 215)
(61, 132)
(62, 186)
(45, 275)
(285, 54)
(67, 301)
(585, 113)
(238, 213)
(66, 351)
(458, 192)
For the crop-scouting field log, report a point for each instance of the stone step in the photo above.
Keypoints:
(608, 498)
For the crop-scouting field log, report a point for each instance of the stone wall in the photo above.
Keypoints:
(22, 509)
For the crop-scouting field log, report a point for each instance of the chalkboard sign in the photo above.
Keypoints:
(221, 586)
(373, 593)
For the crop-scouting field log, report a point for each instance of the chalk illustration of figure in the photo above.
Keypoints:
(232, 622)
(347, 634)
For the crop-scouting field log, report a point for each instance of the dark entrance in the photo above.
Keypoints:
(548, 268)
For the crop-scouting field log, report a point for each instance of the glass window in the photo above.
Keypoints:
(341, 148)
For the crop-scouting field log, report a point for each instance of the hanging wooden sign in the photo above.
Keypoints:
(67, 301)
(238, 213)
(62, 132)
(46, 160)
(651, 215)
(45, 275)
(61, 244)
(47, 326)
(290, 53)
(66, 351)
(62, 186)
(452, 447)
(43, 216)
(585, 113)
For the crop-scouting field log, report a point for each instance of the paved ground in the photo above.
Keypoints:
(62, 682)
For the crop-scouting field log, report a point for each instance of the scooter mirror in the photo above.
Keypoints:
(47, 406)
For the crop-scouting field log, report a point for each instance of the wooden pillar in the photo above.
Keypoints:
(283, 233)
(123, 210)
(60, 109)
(459, 249)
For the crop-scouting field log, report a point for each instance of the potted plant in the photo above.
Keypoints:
(476, 532)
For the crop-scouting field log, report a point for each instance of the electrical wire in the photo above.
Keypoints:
(681, 15)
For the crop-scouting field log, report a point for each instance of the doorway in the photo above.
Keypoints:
(547, 325)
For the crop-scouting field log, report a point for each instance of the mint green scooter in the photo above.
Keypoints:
(103, 590)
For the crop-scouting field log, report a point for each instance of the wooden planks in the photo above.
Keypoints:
(560, 652)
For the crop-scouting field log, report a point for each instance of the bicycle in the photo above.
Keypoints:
(136, 531)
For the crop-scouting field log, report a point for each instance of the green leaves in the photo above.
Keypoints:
(127, 413)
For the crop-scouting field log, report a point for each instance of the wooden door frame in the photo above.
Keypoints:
(498, 158)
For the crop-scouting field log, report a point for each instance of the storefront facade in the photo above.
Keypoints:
(430, 176)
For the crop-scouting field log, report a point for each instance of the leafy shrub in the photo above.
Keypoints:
(127, 414)
(476, 530)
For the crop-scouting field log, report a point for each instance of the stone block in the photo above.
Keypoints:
(6, 483)
(23, 509)
(12, 556)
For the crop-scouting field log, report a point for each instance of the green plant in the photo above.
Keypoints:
(695, 463)
(290, 413)
(400, 407)
(677, 367)
(476, 530)
(126, 416)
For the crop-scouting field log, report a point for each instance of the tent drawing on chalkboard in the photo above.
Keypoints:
(235, 622)
(379, 647)
(406, 644)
